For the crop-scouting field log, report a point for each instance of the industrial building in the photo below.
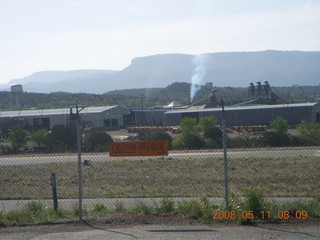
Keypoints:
(147, 116)
(250, 115)
(104, 117)
(117, 117)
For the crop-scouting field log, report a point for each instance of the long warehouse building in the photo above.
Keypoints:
(107, 117)
(250, 115)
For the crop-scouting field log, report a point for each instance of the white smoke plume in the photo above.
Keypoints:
(199, 73)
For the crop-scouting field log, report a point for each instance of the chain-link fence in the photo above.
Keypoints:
(280, 159)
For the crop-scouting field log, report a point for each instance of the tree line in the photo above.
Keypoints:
(150, 97)
(202, 134)
(61, 138)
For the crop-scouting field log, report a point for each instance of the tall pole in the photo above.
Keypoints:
(225, 157)
(79, 164)
(76, 117)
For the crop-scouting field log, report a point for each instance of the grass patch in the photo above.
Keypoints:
(166, 205)
(34, 212)
(143, 208)
(100, 208)
(190, 177)
(120, 207)
(197, 208)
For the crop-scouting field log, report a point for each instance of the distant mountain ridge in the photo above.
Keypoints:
(235, 69)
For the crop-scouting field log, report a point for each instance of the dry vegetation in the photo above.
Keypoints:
(162, 177)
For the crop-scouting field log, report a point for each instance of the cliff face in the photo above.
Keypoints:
(235, 69)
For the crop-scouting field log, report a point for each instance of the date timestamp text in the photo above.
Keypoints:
(220, 215)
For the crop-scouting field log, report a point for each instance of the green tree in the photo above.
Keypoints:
(188, 125)
(279, 137)
(210, 130)
(279, 125)
(62, 138)
(190, 137)
(39, 137)
(309, 129)
(159, 135)
(17, 137)
(207, 122)
(97, 141)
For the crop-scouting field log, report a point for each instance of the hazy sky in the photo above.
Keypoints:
(39, 35)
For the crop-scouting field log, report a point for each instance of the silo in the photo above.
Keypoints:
(16, 89)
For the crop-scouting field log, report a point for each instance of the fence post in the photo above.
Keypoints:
(75, 116)
(54, 191)
(79, 166)
(225, 157)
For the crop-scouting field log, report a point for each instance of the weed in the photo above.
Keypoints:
(207, 209)
(119, 207)
(76, 210)
(234, 202)
(55, 215)
(166, 205)
(142, 207)
(36, 208)
(192, 208)
(3, 219)
(254, 202)
(100, 208)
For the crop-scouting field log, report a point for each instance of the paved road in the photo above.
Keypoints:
(23, 160)
(163, 232)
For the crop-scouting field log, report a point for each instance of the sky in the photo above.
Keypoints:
(41, 35)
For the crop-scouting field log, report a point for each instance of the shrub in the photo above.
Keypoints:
(17, 137)
(100, 208)
(276, 139)
(178, 143)
(95, 141)
(254, 201)
(119, 207)
(188, 125)
(62, 138)
(4, 150)
(196, 208)
(210, 143)
(245, 142)
(303, 141)
(159, 135)
(210, 129)
(39, 137)
(76, 210)
(166, 205)
(142, 207)
(189, 141)
(193, 141)
(192, 208)
(279, 125)
(309, 130)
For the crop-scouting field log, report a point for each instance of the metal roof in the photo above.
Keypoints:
(245, 108)
(56, 111)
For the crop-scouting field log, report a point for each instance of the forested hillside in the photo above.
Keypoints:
(178, 92)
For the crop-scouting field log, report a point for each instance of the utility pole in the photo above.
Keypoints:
(225, 157)
(75, 116)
